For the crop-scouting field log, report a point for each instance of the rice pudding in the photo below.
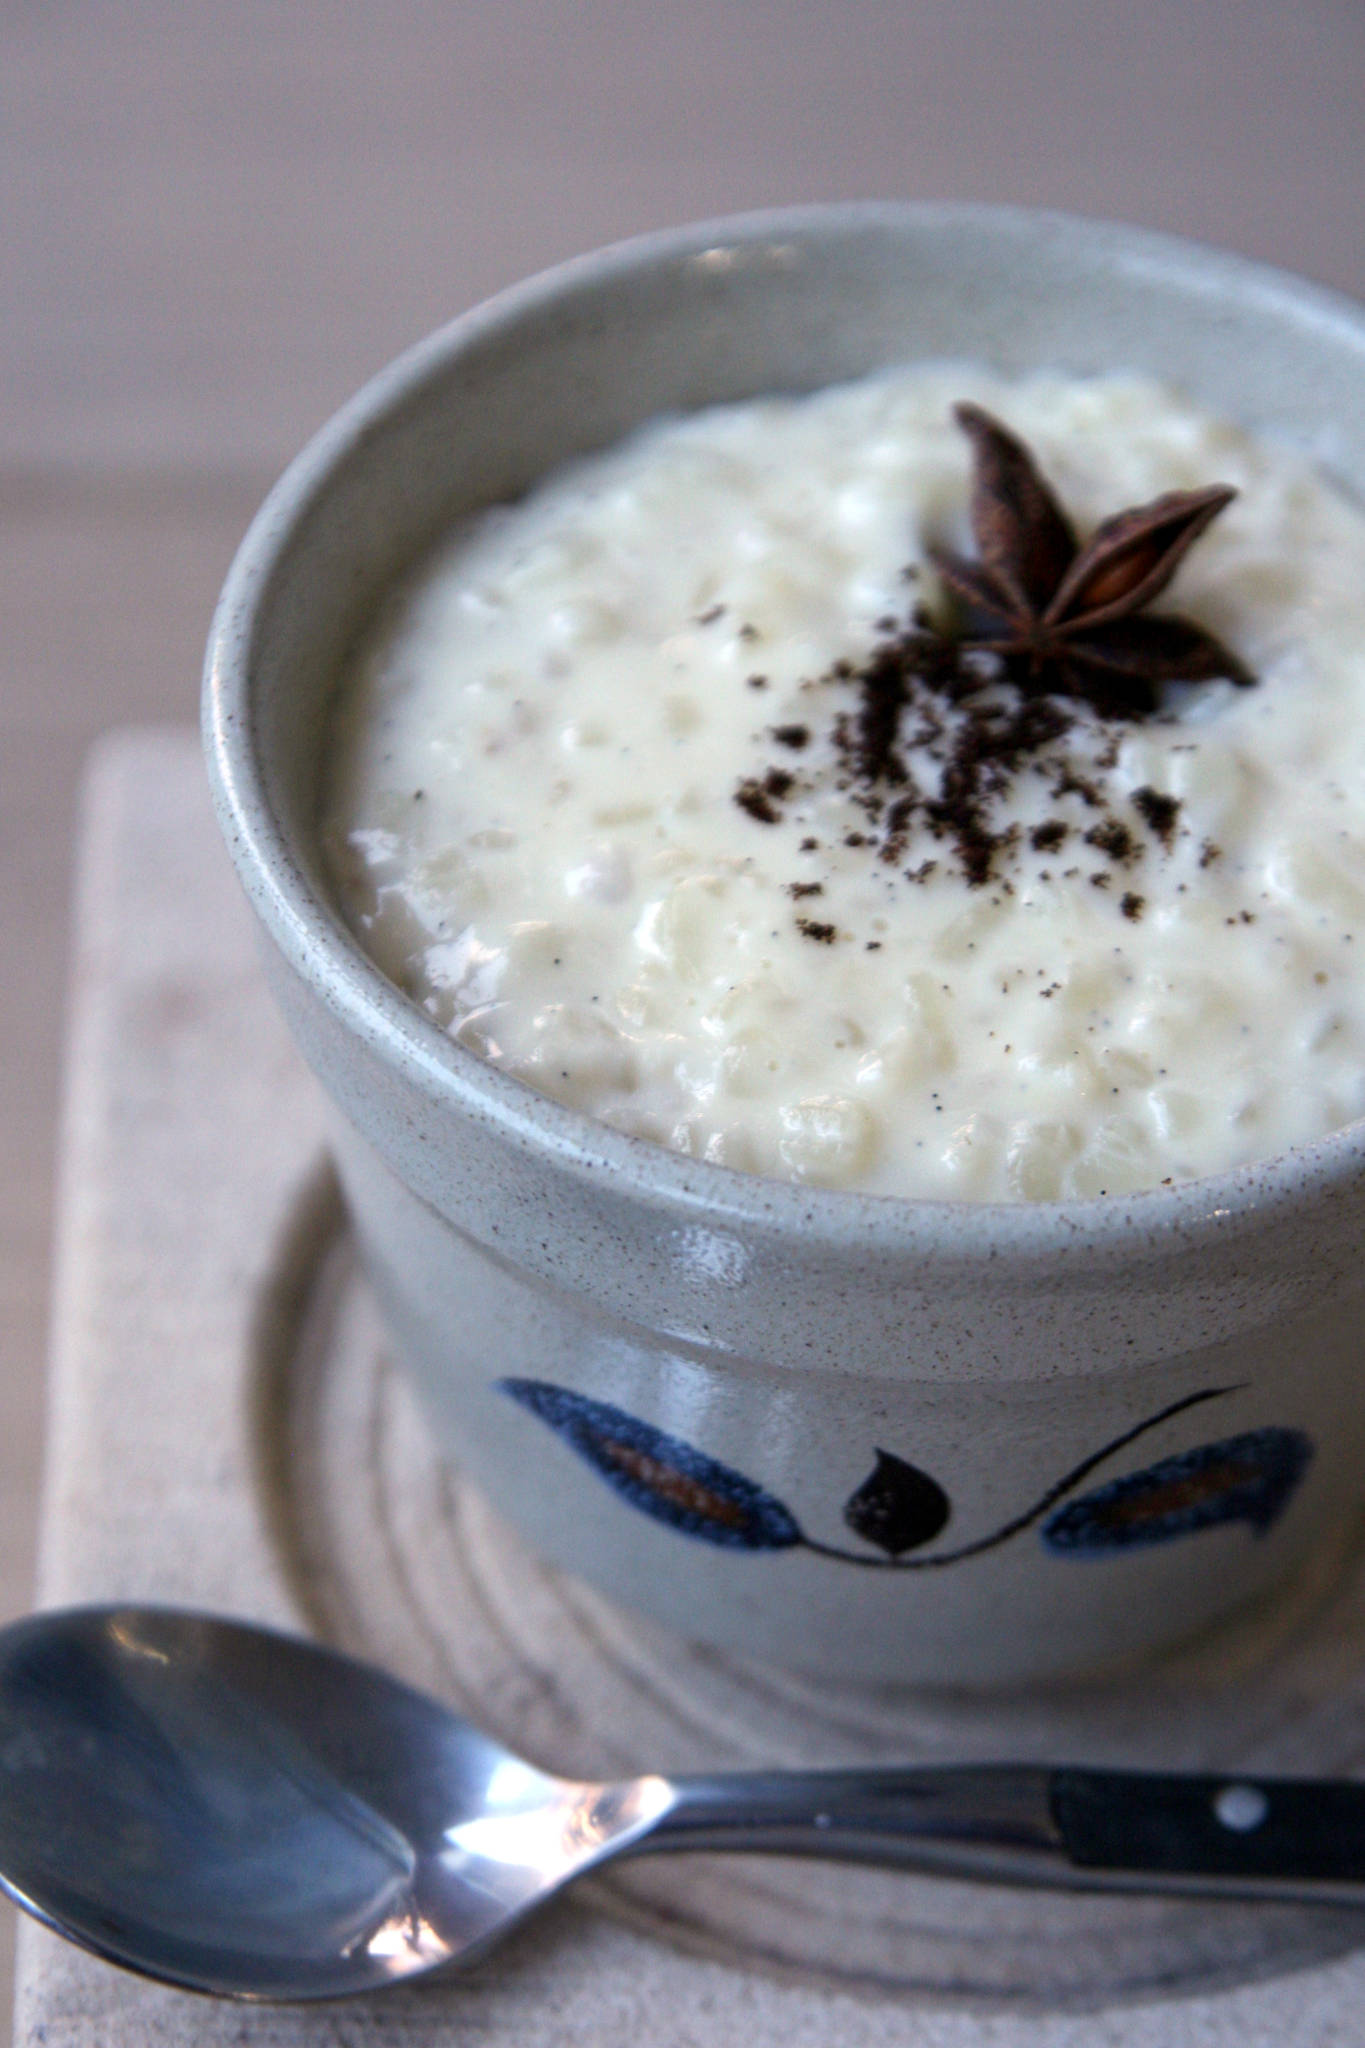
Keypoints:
(602, 797)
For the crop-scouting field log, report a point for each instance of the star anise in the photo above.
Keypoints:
(1064, 618)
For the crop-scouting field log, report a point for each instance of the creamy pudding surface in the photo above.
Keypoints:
(628, 792)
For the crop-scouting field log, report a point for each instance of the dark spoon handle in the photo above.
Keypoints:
(1255, 1830)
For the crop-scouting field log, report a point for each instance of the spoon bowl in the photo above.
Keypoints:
(246, 1813)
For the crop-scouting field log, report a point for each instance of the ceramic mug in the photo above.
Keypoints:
(886, 1440)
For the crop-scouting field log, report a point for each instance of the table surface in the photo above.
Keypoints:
(214, 222)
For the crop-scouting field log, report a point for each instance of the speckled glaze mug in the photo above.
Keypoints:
(884, 1440)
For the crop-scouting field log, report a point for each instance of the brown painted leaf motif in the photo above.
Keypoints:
(1063, 618)
(897, 1507)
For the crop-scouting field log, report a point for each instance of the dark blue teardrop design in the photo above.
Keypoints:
(659, 1474)
(897, 1507)
(1242, 1479)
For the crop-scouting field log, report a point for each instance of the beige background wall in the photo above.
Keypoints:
(216, 219)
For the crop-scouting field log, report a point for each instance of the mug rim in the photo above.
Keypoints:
(310, 933)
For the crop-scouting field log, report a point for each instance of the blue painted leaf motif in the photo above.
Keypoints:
(659, 1474)
(1242, 1479)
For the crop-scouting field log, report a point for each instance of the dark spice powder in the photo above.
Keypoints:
(753, 798)
(920, 695)
(977, 736)
(1159, 811)
(1113, 837)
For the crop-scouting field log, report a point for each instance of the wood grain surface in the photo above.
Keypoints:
(214, 221)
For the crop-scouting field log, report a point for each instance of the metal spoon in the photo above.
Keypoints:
(244, 1813)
